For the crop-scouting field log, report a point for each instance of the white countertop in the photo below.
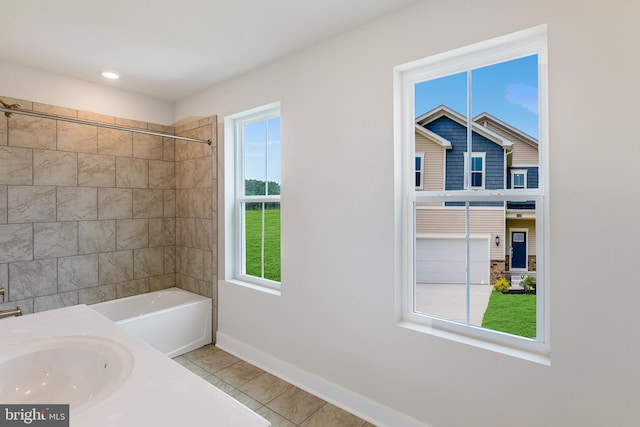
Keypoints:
(159, 392)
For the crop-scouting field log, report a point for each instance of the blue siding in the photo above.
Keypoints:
(457, 135)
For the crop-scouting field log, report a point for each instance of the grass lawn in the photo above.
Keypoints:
(253, 223)
(511, 313)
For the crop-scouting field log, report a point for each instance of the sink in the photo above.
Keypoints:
(77, 370)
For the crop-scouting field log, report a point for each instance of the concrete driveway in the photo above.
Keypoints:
(449, 301)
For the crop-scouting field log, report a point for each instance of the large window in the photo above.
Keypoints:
(489, 102)
(253, 203)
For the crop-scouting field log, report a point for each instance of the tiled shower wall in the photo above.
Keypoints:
(87, 214)
(196, 210)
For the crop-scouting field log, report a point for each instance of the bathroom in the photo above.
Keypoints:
(116, 213)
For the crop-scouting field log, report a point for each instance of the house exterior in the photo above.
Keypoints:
(502, 235)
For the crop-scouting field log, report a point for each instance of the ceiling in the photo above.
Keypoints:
(171, 49)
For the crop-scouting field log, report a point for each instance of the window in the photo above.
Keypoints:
(419, 170)
(477, 170)
(518, 179)
(252, 197)
(453, 241)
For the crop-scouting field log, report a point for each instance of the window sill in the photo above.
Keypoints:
(256, 287)
(521, 353)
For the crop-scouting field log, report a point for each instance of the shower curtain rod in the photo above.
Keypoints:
(13, 109)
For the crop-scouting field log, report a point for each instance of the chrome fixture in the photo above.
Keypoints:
(9, 109)
(10, 313)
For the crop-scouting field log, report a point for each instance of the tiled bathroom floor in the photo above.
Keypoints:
(283, 404)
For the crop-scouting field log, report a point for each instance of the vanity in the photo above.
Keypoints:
(76, 356)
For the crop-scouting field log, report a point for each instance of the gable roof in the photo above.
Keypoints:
(486, 117)
(443, 111)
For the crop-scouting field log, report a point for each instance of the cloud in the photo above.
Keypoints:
(523, 95)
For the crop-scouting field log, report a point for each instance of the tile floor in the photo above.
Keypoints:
(283, 404)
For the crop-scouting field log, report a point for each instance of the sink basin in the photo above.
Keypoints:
(76, 370)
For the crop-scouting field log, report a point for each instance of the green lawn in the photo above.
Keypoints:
(511, 313)
(253, 224)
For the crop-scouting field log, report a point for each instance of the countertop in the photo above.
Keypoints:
(159, 392)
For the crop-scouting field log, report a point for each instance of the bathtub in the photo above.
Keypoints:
(173, 321)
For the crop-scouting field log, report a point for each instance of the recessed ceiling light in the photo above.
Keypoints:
(110, 75)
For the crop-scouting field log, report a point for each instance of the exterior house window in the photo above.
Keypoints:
(518, 179)
(252, 197)
(419, 170)
(451, 239)
(477, 170)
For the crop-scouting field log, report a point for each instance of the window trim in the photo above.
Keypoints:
(515, 172)
(234, 197)
(476, 155)
(512, 46)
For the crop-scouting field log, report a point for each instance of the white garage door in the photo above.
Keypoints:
(443, 260)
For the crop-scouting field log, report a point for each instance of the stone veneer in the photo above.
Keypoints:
(88, 214)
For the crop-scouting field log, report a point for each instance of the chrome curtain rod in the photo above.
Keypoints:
(13, 109)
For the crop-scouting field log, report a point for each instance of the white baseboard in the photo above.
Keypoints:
(367, 409)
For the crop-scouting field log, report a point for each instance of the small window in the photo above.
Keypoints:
(419, 170)
(518, 179)
(477, 170)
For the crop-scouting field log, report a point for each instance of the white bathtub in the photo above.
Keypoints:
(173, 321)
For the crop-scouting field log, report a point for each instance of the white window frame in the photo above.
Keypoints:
(528, 42)
(234, 197)
(515, 172)
(421, 171)
(467, 169)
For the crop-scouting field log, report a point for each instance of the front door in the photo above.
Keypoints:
(519, 250)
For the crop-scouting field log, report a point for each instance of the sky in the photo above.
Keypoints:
(507, 91)
(262, 150)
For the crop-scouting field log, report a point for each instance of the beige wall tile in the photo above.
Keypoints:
(32, 132)
(115, 203)
(162, 174)
(55, 168)
(169, 203)
(16, 242)
(55, 239)
(25, 305)
(170, 259)
(95, 170)
(169, 149)
(132, 233)
(97, 294)
(77, 137)
(195, 263)
(161, 128)
(54, 110)
(4, 278)
(132, 287)
(16, 166)
(148, 262)
(3, 204)
(203, 234)
(148, 146)
(114, 142)
(32, 278)
(114, 267)
(96, 236)
(51, 302)
(77, 272)
(31, 204)
(132, 172)
(194, 173)
(165, 281)
(95, 117)
(147, 203)
(77, 203)
(3, 130)
(131, 124)
(162, 232)
(210, 264)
